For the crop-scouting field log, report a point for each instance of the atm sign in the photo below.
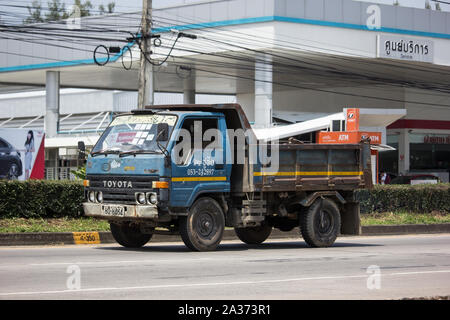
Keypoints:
(349, 137)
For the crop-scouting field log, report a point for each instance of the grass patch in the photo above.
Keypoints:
(391, 218)
(19, 225)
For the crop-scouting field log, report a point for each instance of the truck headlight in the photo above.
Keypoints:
(152, 197)
(140, 198)
(91, 196)
(99, 196)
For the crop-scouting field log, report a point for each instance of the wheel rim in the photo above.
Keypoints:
(324, 223)
(13, 171)
(205, 225)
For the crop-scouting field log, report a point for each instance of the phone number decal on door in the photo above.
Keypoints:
(200, 172)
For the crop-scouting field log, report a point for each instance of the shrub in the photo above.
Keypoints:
(55, 199)
(41, 198)
(423, 198)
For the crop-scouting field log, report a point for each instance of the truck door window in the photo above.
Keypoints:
(192, 125)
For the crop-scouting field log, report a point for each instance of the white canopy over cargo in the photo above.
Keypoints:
(369, 120)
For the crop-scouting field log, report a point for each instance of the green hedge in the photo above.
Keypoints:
(53, 199)
(423, 198)
(40, 198)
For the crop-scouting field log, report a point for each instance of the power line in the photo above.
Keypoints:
(444, 2)
(327, 91)
(288, 44)
(242, 59)
(285, 84)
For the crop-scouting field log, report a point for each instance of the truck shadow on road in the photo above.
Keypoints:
(155, 247)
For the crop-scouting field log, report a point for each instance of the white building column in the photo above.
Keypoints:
(189, 89)
(403, 151)
(51, 119)
(263, 91)
(247, 102)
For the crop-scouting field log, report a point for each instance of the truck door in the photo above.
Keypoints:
(199, 168)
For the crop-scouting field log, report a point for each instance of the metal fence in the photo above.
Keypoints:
(60, 173)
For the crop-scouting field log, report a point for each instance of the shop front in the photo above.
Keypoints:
(422, 147)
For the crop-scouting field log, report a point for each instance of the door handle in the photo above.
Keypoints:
(218, 166)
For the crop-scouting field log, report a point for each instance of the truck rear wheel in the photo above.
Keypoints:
(202, 229)
(129, 236)
(254, 235)
(321, 223)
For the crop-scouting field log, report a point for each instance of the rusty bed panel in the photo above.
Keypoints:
(304, 167)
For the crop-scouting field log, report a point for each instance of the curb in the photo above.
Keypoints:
(406, 229)
(68, 238)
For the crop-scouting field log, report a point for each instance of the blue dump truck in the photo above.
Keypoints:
(195, 169)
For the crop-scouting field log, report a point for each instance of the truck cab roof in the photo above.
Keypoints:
(234, 115)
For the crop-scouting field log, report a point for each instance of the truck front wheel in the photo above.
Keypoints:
(202, 229)
(321, 223)
(129, 236)
(254, 235)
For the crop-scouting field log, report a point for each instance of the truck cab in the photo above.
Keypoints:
(173, 170)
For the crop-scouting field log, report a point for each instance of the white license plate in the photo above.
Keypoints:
(115, 211)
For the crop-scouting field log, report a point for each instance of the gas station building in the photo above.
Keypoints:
(285, 61)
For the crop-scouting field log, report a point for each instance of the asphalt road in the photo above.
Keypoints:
(409, 266)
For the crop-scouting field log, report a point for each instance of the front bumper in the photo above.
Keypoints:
(130, 211)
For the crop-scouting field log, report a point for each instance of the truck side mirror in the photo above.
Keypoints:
(81, 150)
(162, 132)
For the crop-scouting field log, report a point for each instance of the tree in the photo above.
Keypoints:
(56, 11)
(35, 12)
(84, 7)
(438, 6)
(427, 4)
(109, 8)
(396, 3)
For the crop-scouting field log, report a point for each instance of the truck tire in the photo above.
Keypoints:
(321, 223)
(202, 229)
(254, 235)
(128, 236)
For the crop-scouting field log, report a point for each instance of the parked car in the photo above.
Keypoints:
(10, 162)
(409, 179)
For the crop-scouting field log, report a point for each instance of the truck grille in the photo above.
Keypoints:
(116, 189)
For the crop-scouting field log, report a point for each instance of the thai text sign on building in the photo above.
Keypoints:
(405, 48)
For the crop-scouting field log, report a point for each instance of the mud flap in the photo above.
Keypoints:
(351, 219)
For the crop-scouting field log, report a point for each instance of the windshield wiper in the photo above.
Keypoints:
(160, 146)
(95, 153)
(127, 153)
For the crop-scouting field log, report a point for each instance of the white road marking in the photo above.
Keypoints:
(165, 286)
(116, 262)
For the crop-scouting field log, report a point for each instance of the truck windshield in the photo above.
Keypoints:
(134, 133)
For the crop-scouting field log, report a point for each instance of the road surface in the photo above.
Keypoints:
(384, 267)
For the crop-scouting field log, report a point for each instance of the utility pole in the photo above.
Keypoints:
(146, 71)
